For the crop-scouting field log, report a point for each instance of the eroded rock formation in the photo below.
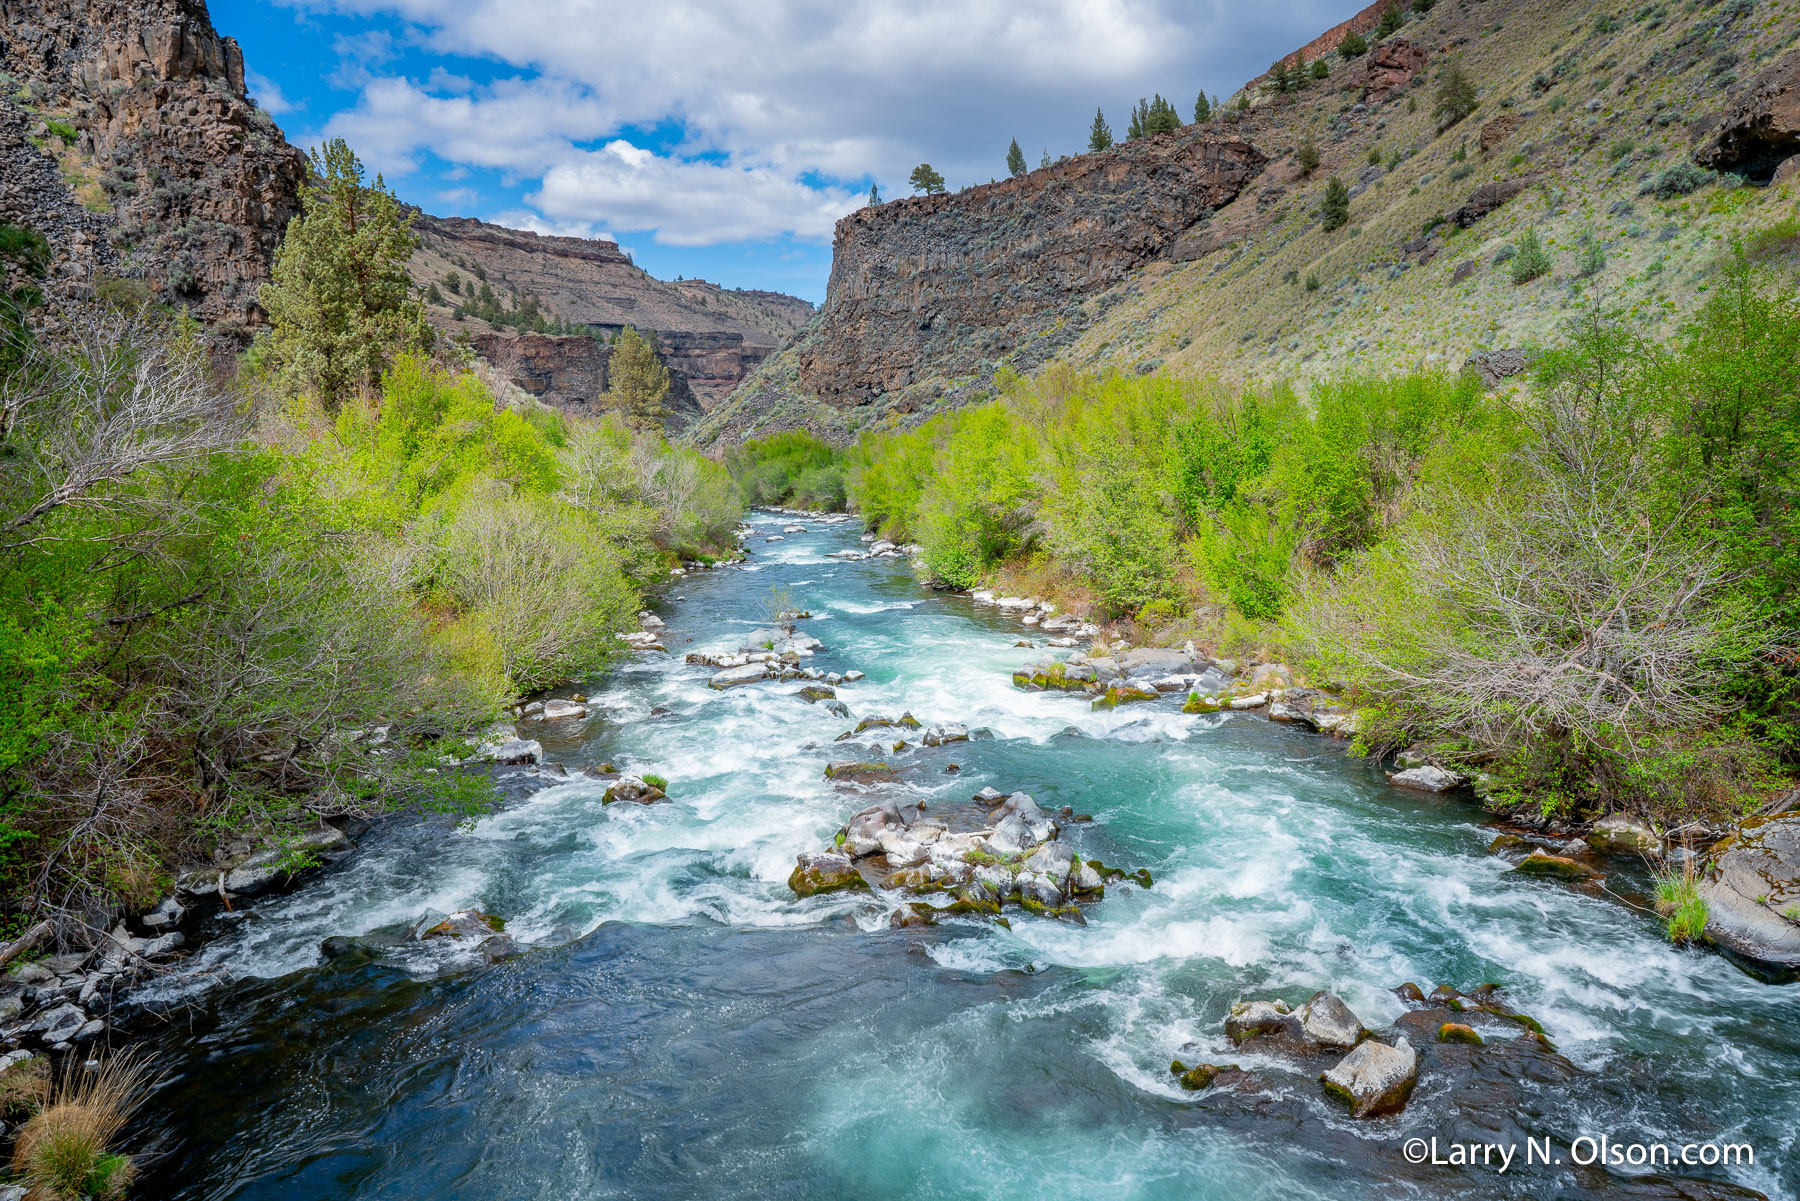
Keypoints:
(929, 295)
(198, 181)
(1758, 134)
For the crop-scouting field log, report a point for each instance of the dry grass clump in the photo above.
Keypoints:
(65, 1152)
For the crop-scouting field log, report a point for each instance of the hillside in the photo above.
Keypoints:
(709, 337)
(1589, 121)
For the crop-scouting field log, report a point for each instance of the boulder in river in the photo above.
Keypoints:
(1256, 1019)
(555, 709)
(1559, 867)
(858, 770)
(1428, 778)
(945, 732)
(1752, 896)
(823, 872)
(732, 677)
(1374, 1079)
(633, 790)
(1330, 1022)
(817, 692)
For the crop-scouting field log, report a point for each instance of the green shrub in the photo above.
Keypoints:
(788, 469)
(1530, 259)
(1352, 45)
(1677, 180)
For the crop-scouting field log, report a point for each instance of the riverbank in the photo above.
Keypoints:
(663, 942)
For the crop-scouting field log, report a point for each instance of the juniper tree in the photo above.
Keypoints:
(1321, 69)
(1202, 110)
(1391, 21)
(1335, 211)
(924, 179)
(1100, 133)
(1455, 96)
(339, 297)
(1352, 45)
(1015, 159)
(638, 382)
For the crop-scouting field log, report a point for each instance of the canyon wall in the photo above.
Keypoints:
(930, 295)
(709, 337)
(140, 106)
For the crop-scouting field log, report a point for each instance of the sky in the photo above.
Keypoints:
(723, 139)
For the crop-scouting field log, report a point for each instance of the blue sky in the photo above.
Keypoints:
(723, 138)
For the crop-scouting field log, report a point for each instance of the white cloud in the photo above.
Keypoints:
(775, 96)
(265, 92)
(688, 203)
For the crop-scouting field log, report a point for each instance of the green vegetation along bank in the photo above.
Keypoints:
(1584, 589)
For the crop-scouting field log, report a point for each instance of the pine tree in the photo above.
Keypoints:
(1161, 116)
(874, 194)
(339, 297)
(1455, 97)
(1100, 133)
(1202, 110)
(1015, 159)
(1321, 69)
(924, 179)
(1336, 208)
(1391, 21)
(1301, 72)
(1045, 161)
(1353, 44)
(1140, 116)
(638, 382)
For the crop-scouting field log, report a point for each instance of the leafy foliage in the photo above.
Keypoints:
(637, 381)
(926, 180)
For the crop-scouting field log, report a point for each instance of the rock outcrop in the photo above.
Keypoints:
(1759, 131)
(1753, 896)
(198, 181)
(708, 337)
(930, 295)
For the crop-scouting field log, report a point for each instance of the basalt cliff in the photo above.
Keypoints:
(127, 140)
(1637, 147)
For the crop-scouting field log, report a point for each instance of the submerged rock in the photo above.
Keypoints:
(1374, 1079)
(1256, 1019)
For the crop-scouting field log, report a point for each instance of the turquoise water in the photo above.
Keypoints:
(682, 1026)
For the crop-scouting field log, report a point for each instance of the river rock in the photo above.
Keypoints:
(1559, 867)
(557, 709)
(57, 1025)
(1622, 834)
(1330, 1022)
(167, 914)
(1429, 778)
(823, 872)
(857, 770)
(515, 752)
(813, 693)
(267, 869)
(464, 923)
(634, 790)
(732, 677)
(1752, 894)
(946, 732)
(1254, 1019)
(1374, 1079)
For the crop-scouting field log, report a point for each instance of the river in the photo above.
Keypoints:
(681, 1026)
